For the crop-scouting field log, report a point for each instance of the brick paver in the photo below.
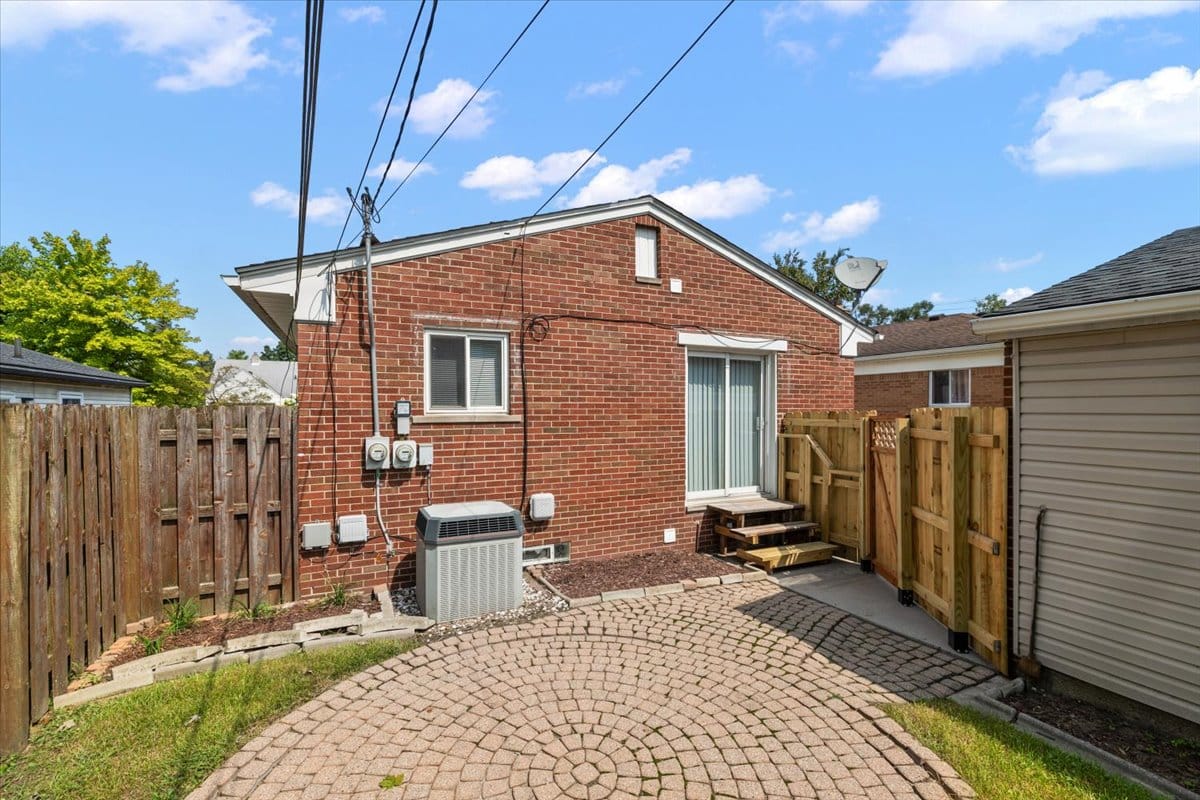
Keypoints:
(743, 691)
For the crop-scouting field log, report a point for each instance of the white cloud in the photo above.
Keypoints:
(252, 342)
(1077, 84)
(432, 111)
(369, 14)
(516, 177)
(937, 297)
(803, 11)
(799, 52)
(944, 37)
(211, 44)
(852, 219)
(329, 208)
(400, 169)
(719, 199)
(1011, 265)
(1013, 295)
(1152, 122)
(789, 216)
(617, 182)
(606, 88)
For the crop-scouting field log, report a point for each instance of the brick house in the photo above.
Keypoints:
(937, 361)
(657, 361)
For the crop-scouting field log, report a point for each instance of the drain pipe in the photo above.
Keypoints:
(368, 213)
(1028, 663)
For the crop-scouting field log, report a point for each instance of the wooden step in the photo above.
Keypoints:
(753, 532)
(787, 555)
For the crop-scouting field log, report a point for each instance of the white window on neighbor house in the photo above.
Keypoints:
(466, 372)
(950, 387)
(730, 430)
(646, 253)
(70, 398)
(8, 397)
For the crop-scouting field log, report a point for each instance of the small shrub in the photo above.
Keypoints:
(338, 597)
(260, 610)
(152, 645)
(182, 615)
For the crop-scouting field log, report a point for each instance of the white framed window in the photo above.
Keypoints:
(950, 387)
(466, 372)
(646, 253)
(70, 398)
(730, 424)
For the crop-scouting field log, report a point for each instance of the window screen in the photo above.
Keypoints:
(447, 372)
(950, 387)
(466, 371)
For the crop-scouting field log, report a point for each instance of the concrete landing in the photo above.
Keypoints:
(843, 585)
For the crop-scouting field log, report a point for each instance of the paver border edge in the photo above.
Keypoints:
(988, 700)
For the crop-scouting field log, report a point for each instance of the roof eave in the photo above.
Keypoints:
(1112, 313)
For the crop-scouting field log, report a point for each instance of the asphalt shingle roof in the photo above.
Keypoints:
(952, 330)
(32, 364)
(1165, 266)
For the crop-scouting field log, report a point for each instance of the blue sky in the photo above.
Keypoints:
(979, 147)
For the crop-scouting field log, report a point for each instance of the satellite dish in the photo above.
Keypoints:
(859, 273)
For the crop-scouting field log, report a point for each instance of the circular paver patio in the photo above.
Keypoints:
(744, 691)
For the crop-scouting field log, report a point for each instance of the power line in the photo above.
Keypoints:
(313, 21)
(412, 93)
(633, 110)
(465, 105)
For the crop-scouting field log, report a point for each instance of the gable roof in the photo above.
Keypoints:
(1167, 265)
(32, 364)
(265, 285)
(938, 332)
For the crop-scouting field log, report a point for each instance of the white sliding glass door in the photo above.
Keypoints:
(726, 407)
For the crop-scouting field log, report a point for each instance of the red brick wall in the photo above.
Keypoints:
(606, 400)
(897, 393)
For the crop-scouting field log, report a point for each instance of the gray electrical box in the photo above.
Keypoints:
(425, 455)
(352, 529)
(314, 535)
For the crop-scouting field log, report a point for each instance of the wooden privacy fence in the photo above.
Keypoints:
(921, 500)
(107, 513)
(823, 460)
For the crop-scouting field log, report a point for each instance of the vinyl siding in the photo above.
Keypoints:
(47, 392)
(1109, 442)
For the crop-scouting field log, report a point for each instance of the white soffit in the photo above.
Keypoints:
(973, 357)
(718, 341)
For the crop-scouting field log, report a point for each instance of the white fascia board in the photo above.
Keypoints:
(971, 357)
(424, 246)
(718, 341)
(1135, 310)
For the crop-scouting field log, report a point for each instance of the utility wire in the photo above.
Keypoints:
(313, 22)
(465, 105)
(412, 93)
(633, 110)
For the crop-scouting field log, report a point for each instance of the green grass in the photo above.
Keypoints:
(164, 740)
(1002, 762)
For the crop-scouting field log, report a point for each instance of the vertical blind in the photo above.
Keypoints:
(745, 409)
(706, 424)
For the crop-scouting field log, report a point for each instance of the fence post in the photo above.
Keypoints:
(904, 545)
(866, 537)
(14, 574)
(957, 508)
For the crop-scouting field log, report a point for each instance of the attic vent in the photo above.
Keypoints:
(477, 525)
(935, 317)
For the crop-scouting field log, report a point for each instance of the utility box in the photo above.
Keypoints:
(541, 506)
(377, 453)
(425, 455)
(404, 454)
(469, 559)
(352, 529)
(314, 535)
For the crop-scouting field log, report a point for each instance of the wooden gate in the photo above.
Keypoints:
(882, 497)
(823, 459)
(952, 522)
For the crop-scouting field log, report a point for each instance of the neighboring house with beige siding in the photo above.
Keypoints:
(27, 376)
(1106, 474)
(937, 361)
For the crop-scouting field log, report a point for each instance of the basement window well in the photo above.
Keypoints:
(466, 372)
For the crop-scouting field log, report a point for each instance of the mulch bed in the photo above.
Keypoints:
(1173, 756)
(215, 630)
(638, 570)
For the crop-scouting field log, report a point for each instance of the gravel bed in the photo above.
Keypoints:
(538, 603)
(635, 571)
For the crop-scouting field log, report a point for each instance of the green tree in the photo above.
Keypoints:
(68, 298)
(818, 277)
(279, 352)
(990, 303)
(237, 355)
